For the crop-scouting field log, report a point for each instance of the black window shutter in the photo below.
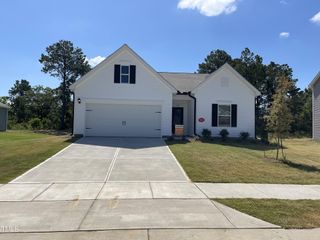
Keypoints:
(116, 73)
(214, 115)
(132, 74)
(234, 115)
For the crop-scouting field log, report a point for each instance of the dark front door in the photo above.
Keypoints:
(177, 117)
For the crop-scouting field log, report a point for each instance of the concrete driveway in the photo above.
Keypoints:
(98, 159)
(111, 184)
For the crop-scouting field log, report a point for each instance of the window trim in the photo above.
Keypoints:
(230, 116)
(124, 74)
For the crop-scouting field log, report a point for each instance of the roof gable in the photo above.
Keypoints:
(315, 80)
(227, 67)
(2, 105)
(122, 49)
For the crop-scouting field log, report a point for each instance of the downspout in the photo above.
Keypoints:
(72, 129)
(194, 113)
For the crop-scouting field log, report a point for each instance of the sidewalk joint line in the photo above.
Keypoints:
(201, 190)
(152, 195)
(112, 164)
(42, 191)
(148, 233)
(212, 202)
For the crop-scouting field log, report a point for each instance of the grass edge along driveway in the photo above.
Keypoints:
(23, 150)
(298, 214)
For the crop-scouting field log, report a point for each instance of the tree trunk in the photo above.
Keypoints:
(64, 105)
(278, 142)
(282, 151)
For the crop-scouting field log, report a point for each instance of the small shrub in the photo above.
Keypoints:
(206, 133)
(48, 124)
(244, 136)
(224, 134)
(35, 124)
(17, 126)
(170, 138)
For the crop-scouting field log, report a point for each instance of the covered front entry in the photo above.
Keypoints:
(177, 117)
(123, 120)
(183, 114)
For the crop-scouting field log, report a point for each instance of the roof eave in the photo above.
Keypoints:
(118, 51)
(313, 82)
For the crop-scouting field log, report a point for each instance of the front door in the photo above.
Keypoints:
(177, 117)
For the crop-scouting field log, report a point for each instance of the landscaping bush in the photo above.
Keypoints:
(17, 126)
(35, 124)
(206, 134)
(170, 138)
(244, 136)
(49, 124)
(224, 134)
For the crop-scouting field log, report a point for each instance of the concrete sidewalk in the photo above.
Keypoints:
(260, 191)
(121, 214)
(153, 190)
(172, 234)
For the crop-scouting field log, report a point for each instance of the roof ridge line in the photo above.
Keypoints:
(186, 73)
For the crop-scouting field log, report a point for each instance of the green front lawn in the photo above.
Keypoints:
(285, 213)
(22, 150)
(248, 162)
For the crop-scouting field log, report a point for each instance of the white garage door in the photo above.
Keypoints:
(118, 120)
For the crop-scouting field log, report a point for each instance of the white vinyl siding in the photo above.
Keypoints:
(316, 110)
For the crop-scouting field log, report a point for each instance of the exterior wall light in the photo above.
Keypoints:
(79, 100)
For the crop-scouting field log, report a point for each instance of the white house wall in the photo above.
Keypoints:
(226, 88)
(148, 89)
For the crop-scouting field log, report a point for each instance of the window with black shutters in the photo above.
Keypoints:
(224, 115)
(125, 74)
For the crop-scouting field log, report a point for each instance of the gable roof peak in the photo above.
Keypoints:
(229, 68)
(124, 47)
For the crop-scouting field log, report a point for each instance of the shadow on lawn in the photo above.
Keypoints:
(72, 139)
(248, 144)
(53, 132)
(300, 166)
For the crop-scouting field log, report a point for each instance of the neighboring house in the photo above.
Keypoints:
(3, 117)
(124, 96)
(315, 86)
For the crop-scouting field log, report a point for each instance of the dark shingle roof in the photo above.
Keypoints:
(184, 82)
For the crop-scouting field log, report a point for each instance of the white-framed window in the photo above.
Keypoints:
(124, 74)
(224, 115)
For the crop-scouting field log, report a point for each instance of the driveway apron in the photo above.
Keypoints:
(98, 159)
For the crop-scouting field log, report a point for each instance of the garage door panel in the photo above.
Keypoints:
(123, 120)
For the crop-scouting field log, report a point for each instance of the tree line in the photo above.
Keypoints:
(42, 107)
(47, 108)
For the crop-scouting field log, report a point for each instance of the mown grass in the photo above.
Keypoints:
(22, 150)
(249, 162)
(285, 213)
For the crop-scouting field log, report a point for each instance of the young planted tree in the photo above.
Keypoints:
(67, 63)
(280, 117)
